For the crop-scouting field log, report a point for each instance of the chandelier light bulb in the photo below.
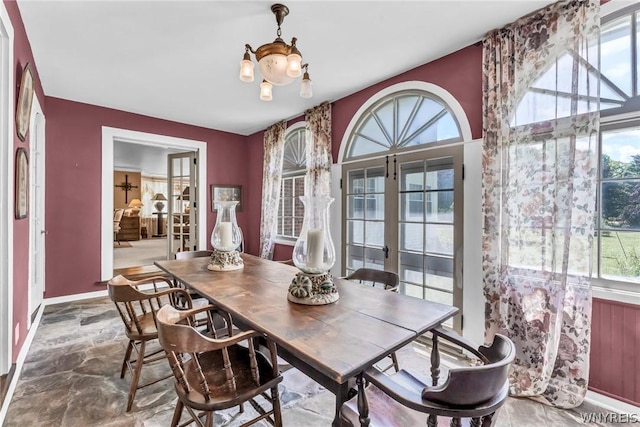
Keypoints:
(306, 91)
(266, 91)
(246, 68)
(294, 65)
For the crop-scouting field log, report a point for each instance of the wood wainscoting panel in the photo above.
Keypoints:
(615, 345)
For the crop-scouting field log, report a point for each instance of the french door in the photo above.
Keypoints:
(403, 213)
(182, 221)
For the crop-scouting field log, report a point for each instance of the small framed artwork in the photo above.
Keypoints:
(25, 99)
(22, 184)
(226, 193)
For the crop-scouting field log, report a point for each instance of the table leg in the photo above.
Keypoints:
(342, 395)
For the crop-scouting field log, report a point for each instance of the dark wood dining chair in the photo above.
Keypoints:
(138, 310)
(472, 393)
(386, 279)
(219, 321)
(214, 374)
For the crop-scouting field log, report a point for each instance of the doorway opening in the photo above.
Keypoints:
(112, 138)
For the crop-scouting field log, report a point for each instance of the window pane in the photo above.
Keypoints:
(412, 207)
(361, 146)
(413, 291)
(412, 176)
(374, 258)
(355, 255)
(411, 237)
(621, 153)
(355, 207)
(375, 233)
(375, 180)
(371, 130)
(438, 296)
(405, 107)
(439, 272)
(615, 48)
(621, 204)
(620, 255)
(440, 206)
(374, 206)
(439, 239)
(356, 182)
(411, 268)
(355, 232)
(385, 116)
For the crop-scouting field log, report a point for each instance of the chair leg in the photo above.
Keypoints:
(432, 421)
(209, 420)
(127, 356)
(275, 402)
(177, 413)
(136, 376)
(394, 358)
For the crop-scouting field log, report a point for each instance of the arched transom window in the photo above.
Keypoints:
(403, 120)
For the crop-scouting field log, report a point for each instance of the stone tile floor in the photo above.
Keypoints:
(71, 377)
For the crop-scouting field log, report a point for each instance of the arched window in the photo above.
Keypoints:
(402, 120)
(402, 190)
(294, 166)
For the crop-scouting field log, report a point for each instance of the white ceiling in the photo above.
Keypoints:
(179, 60)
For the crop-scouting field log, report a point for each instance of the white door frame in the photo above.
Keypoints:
(36, 207)
(109, 137)
(6, 189)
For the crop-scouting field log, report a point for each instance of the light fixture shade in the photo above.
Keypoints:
(246, 70)
(158, 196)
(135, 203)
(266, 91)
(294, 65)
(273, 68)
(306, 91)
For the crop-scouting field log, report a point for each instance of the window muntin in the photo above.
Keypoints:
(294, 164)
(403, 120)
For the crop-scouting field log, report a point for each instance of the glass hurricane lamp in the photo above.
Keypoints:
(225, 239)
(314, 254)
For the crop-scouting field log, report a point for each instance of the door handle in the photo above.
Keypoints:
(386, 251)
(45, 232)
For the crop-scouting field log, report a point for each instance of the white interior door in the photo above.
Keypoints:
(182, 221)
(37, 230)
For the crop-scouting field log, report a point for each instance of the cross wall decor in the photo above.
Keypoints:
(126, 187)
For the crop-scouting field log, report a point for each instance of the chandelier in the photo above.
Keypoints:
(279, 63)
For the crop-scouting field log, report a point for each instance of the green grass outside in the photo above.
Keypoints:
(618, 247)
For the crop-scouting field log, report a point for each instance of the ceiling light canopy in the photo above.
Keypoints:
(279, 63)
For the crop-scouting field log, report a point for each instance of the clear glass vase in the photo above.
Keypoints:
(314, 252)
(226, 235)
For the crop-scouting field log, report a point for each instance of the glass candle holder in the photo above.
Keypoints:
(314, 254)
(225, 239)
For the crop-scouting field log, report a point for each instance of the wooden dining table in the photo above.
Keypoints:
(330, 343)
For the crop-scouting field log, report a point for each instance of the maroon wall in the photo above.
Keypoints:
(73, 174)
(615, 345)
(21, 56)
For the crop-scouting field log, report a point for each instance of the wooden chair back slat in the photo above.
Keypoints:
(388, 279)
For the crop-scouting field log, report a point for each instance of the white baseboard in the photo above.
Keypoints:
(21, 357)
(76, 297)
(610, 403)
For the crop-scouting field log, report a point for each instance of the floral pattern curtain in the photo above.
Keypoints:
(319, 159)
(271, 181)
(541, 125)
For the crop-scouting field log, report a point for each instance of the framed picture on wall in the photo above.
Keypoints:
(21, 201)
(25, 99)
(226, 193)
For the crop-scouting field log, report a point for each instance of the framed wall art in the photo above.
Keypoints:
(21, 201)
(226, 193)
(25, 98)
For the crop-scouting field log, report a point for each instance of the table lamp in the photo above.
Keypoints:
(159, 198)
(135, 204)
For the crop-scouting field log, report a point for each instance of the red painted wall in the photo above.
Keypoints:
(73, 174)
(615, 345)
(21, 56)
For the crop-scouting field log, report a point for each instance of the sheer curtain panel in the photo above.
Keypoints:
(271, 180)
(541, 125)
